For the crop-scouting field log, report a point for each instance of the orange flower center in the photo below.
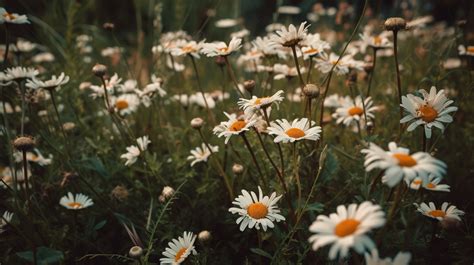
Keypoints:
(355, 111)
(257, 210)
(431, 186)
(237, 126)
(334, 62)
(188, 49)
(311, 50)
(346, 227)
(427, 113)
(258, 101)
(9, 16)
(377, 40)
(405, 160)
(437, 213)
(225, 49)
(295, 133)
(74, 205)
(417, 181)
(121, 104)
(470, 49)
(179, 254)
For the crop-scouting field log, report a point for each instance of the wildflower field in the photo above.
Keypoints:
(236, 132)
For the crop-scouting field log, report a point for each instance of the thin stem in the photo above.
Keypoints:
(399, 85)
(211, 115)
(25, 174)
(293, 48)
(7, 45)
(107, 103)
(309, 69)
(297, 175)
(9, 149)
(232, 76)
(375, 181)
(280, 151)
(396, 202)
(424, 141)
(23, 107)
(59, 119)
(322, 107)
(254, 158)
(372, 73)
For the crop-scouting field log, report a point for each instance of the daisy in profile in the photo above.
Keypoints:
(20, 73)
(201, 154)
(184, 47)
(12, 18)
(347, 229)
(313, 46)
(430, 110)
(234, 126)
(298, 129)
(468, 51)
(77, 202)
(51, 84)
(256, 211)
(179, 249)
(431, 184)
(221, 48)
(446, 211)
(133, 151)
(325, 63)
(284, 71)
(374, 41)
(110, 84)
(126, 103)
(290, 37)
(352, 111)
(4, 220)
(150, 90)
(399, 164)
(372, 258)
(256, 103)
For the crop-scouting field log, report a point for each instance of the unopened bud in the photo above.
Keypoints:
(99, 70)
(237, 169)
(311, 90)
(167, 192)
(249, 85)
(204, 236)
(135, 252)
(197, 123)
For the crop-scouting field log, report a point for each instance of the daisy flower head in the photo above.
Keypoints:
(266, 46)
(432, 184)
(352, 111)
(298, 129)
(12, 18)
(284, 71)
(126, 103)
(201, 154)
(234, 126)
(179, 249)
(373, 258)
(20, 73)
(314, 46)
(133, 151)
(431, 109)
(221, 48)
(51, 84)
(326, 62)
(256, 211)
(446, 211)
(467, 51)
(375, 41)
(347, 228)
(256, 103)
(184, 47)
(77, 202)
(289, 37)
(4, 220)
(399, 164)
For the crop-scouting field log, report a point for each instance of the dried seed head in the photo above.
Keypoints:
(249, 85)
(120, 193)
(237, 169)
(220, 61)
(24, 143)
(311, 90)
(204, 236)
(395, 24)
(197, 123)
(99, 70)
(135, 252)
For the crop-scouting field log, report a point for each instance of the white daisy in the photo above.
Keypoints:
(256, 103)
(291, 36)
(201, 154)
(50, 84)
(333, 101)
(133, 151)
(110, 84)
(24, 46)
(351, 112)
(234, 126)
(463, 50)
(432, 109)
(43, 57)
(284, 71)
(301, 129)
(347, 228)
(77, 202)
(150, 91)
(256, 211)
(126, 103)
(4, 220)
(402, 258)
(266, 46)
(325, 63)
(240, 34)
(221, 48)
(179, 249)
(226, 23)
(184, 47)
(20, 73)
(12, 18)
(313, 46)
(399, 164)
(431, 211)
(375, 41)
(431, 184)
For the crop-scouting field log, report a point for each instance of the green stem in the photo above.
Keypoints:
(254, 158)
(293, 48)
(211, 115)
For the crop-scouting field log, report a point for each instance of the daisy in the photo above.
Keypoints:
(150, 91)
(291, 36)
(221, 48)
(399, 164)
(256, 211)
(432, 109)
(43, 57)
(240, 34)
(77, 202)
(133, 151)
(4, 220)
(256, 103)
(20, 73)
(24, 46)
(110, 84)
(179, 249)
(431, 184)
(284, 71)
(333, 101)
(234, 126)
(51, 84)
(347, 228)
(128, 86)
(313, 46)
(325, 63)
(12, 18)
(201, 154)
(352, 111)
(445, 212)
(402, 258)
(297, 130)
(184, 47)
(375, 41)
(266, 46)
(468, 51)
(226, 23)
(126, 103)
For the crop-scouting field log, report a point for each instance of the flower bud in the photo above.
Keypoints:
(311, 90)
(24, 143)
(135, 252)
(237, 169)
(197, 123)
(395, 24)
(249, 85)
(108, 26)
(167, 192)
(204, 236)
(99, 70)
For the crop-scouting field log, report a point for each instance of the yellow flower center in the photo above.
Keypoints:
(405, 160)
(9, 16)
(427, 113)
(237, 126)
(437, 213)
(188, 49)
(179, 254)
(258, 101)
(75, 205)
(431, 185)
(295, 133)
(355, 111)
(346, 227)
(311, 50)
(257, 210)
(470, 49)
(377, 41)
(225, 49)
(334, 62)
(121, 104)
(417, 181)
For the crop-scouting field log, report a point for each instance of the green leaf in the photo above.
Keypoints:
(100, 224)
(315, 207)
(261, 252)
(44, 256)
